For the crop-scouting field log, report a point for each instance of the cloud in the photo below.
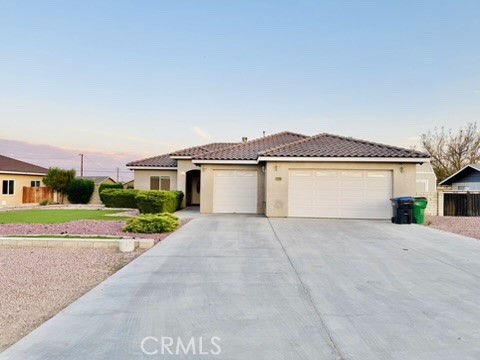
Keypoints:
(202, 133)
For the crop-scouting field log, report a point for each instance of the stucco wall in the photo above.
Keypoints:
(183, 167)
(404, 180)
(20, 182)
(206, 194)
(142, 178)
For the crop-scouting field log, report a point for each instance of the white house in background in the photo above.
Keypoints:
(426, 179)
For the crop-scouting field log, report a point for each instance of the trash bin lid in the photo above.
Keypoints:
(403, 199)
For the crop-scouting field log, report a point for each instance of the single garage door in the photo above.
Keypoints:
(355, 194)
(235, 191)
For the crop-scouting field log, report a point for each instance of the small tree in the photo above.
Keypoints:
(80, 191)
(58, 180)
(451, 151)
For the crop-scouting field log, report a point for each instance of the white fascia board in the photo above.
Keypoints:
(22, 173)
(180, 157)
(227, 162)
(345, 159)
(151, 168)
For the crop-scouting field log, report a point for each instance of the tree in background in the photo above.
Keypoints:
(80, 191)
(451, 151)
(58, 180)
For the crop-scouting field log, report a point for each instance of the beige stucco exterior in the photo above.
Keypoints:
(206, 195)
(20, 180)
(142, 178)
(276, 180)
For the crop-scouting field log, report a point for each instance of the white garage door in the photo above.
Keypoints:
(356, 194)
(235, 191)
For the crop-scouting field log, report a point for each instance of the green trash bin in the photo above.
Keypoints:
(419, 206)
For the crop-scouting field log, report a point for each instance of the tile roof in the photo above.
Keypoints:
(165, 160)
(13, 165)
(250, 149)
(96, 179)
(155, 161)
(328, 145)
(198, 150)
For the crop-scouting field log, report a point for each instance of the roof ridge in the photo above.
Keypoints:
(200, 147)
(299, 141)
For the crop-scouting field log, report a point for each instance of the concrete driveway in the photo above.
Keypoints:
(240, 287)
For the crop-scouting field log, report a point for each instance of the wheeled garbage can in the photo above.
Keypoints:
(419, 206)
(402, 210)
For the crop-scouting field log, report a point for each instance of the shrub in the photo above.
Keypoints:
(80, 191)
(45, 202)
(108, 186)
(119, 198)
(153, 202)
(152, 223)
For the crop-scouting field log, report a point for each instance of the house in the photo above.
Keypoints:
(288, 175)
(14, 176)
(97, 180)
(466, 179)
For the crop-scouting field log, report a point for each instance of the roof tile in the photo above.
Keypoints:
(328, 145)
(250, 149)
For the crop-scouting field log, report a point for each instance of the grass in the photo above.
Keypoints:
(56, 216)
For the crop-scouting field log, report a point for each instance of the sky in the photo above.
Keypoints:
(141, 78)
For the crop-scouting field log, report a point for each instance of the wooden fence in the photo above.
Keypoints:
(35, 195)
(462, 204)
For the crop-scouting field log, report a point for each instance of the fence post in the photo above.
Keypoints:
(440, 203)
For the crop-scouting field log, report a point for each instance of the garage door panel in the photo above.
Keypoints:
(340, 193)
(235, 191)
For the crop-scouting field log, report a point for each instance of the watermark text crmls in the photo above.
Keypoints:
(167, 345)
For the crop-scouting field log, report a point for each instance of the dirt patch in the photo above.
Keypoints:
(37, 283)
(467, 226)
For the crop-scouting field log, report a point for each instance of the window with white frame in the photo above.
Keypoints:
(8, 187)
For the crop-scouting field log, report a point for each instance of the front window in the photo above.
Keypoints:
(7, 187)
(35, 184)
(160, 183)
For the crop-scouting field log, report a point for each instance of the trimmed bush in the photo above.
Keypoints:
(152, 223)
(108, 186)
(153, 202)
(119, 198)
(79, 191)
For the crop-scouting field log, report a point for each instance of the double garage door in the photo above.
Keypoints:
(359, 194)
(235, 191)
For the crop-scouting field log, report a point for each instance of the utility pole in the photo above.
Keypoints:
(118, 174)
(81, 164)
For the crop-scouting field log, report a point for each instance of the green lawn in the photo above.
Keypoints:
(55, 216)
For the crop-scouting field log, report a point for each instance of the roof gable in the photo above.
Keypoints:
(328, 145)
(466, 171)
(8, 164)
(250, 150)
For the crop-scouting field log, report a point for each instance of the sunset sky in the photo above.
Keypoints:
(146, 77)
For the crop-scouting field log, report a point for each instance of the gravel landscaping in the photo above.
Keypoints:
(467, 226)
(76, 228)
(37, 283)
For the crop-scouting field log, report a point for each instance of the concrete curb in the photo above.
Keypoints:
(71, 242)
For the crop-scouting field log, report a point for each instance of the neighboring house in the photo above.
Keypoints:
(291, 175)
(14, 176)
(128, 185)
(97, 180)
(426, 179)
(466, 179)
